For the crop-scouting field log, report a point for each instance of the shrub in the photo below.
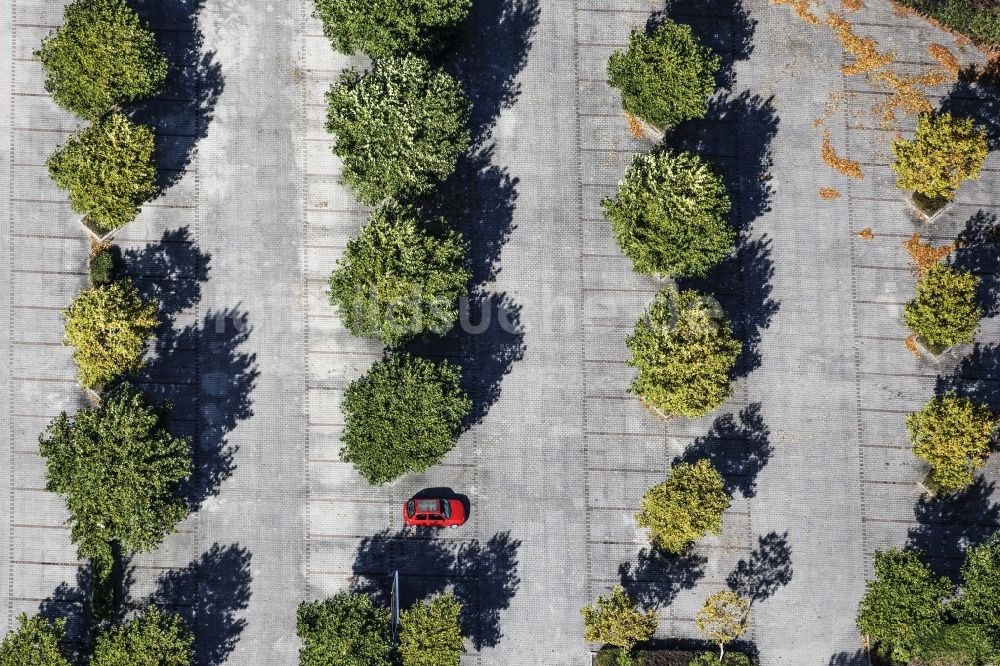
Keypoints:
(944, 152)
(666, 76)
(979, 604)
(617, 620)
(977, 20)
(102, 266)
(429, 634)
(102, 56)
(383, 28)
(398, 280)
(35, 642)
(346, 630)
(684, 350)
(902, 604)
(402, 416)
(108, 170)
(954, 435)
(154, 638)
(724, 618)
(685, 507)
(399, 128)
(730, 659)
(954, 645)
(119, 469)
(109, 327)
(671, 215)
(944, 311)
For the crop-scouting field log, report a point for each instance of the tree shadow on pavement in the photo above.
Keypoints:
(765, 571)
(977, 376)
(655, 579)
(482, 575)
(71, 602)
(181, 114)
(978, 245)
(171, 271)
(972, 99)
(947, 528)
(738, 446)
(856, 658)
(209, 593)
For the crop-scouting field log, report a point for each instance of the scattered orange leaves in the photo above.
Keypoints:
(911, 344)
(852, 5)
(906, 94)
(925, 255)
(866, 234)
(842, 164)
(947, 59)
(635, 126)
(828, 193)
(864, 49)
(801, 9)
(97, 246)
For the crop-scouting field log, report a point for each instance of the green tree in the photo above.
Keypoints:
(902, 604)
(429, 634)
(108, 170)
(684, 350)
(35, 642)
(154, 638)
(724, 618)
(617, 620)
(944, 152)
(685, 507)
(955, 436)
(398, 279)
(399, 127)
(979, 603)
(671, 215)
(102, 266)
(944, 311)
(119, 469)
(954, 645)
(344, 630)
(665, 76)
(109, 326)
(402, 416)
(384, 28)
(101, 57)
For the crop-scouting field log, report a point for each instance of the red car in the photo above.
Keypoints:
(423, 512)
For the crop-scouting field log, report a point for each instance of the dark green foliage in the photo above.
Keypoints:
(671, 215)
(902, 604)
(383, 28)
(345, 630)
(954, 645)
(119, 469)
(102, 56)
(399, 127)
(402, 416)
(979, 603)
(154, 638)
(666, 76)
(944, 311)
(729, 659)
(102, 267)
(429, 633)
(976, 19)
(108, 170)
(398, 280)
(35, 642)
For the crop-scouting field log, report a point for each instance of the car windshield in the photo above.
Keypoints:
(446, 509)
(410, 509)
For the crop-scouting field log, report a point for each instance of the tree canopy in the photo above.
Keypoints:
(344, 630)
(617, 620)
(399, 128)
(101, 57)
(671, 215)
(724, 618)
(402, 416)
(384, 28)
(685, 507)
(108, 326)
(397, 279)
(108, 171)
(979, 602)
(429, 633)
(665, 76)
(944, 311)
(154, 638)
(902, 604)
(955, 436)
(35, 642)
(684, 350)
(119, 469)
(945, 151)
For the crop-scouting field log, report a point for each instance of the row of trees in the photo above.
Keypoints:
(352, 629)
(102, 58)
(916, 617)
(399, 130)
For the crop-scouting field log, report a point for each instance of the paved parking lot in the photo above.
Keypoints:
(252, 220)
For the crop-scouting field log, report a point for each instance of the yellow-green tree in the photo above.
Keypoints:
(685, 507)
(429, 633)
(36, 641)
(108, 326)
(617, 620)
(945, 151)
(724, 618)
(955, 436)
